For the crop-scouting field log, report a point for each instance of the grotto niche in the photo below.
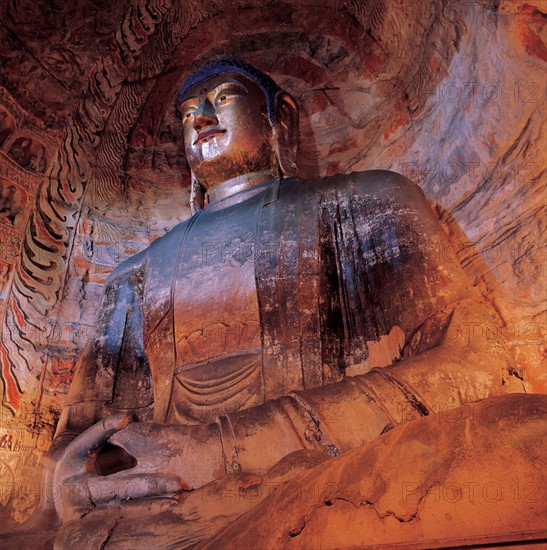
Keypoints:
(450, 95)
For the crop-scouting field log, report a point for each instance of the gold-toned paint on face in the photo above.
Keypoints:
(226, 129)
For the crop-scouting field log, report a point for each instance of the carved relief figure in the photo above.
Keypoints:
(9, 205)
(6, 442)
(5, 270)
(20, 150)
(37, 162)
(232, 339)
(6, 127)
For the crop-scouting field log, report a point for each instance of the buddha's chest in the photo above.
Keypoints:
(214, 291)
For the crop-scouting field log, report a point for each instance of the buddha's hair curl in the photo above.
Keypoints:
(225, 63)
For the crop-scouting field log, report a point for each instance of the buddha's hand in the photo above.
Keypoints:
(194, 453)
(79, 486)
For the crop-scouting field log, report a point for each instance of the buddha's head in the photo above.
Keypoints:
(236, 122)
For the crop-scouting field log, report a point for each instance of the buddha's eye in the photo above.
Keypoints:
(188, 113)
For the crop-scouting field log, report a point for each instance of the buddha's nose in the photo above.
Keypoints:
(204, 116)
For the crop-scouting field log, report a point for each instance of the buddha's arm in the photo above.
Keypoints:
(92, 396)
(465, 367)
(116, 344)
(113, 358)
(468, 365)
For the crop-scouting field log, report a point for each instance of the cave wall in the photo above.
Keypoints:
(451, 94)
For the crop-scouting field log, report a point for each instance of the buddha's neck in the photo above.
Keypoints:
(240, 183)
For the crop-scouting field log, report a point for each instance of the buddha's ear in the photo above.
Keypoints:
(286, 132)
(197, 195)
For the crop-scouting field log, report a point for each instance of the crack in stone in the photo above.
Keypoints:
(89, 496)
(330, 501)
(108, 536)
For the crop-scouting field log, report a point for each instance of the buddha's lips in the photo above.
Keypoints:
(210, 132)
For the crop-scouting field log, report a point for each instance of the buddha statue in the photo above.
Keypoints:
(283, 316)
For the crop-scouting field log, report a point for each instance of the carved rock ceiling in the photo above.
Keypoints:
(449, 93)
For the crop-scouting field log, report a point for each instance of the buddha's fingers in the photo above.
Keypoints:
(78, 456)
(143, 441)
(127, 486)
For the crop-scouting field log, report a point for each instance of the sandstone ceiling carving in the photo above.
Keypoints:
(89, 139)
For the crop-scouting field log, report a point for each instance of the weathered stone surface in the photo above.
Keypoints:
(485, 477)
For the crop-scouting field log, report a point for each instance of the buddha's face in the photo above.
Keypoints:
(226, 129)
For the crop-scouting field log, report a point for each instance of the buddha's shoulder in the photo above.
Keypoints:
(378, 185)
(158, 253)
(167, 245)
(367, 181)
(376, 181)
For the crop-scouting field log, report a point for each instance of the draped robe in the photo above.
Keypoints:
(347, 270)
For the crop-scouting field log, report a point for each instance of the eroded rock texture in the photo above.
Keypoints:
(393, 490)
(451, 94)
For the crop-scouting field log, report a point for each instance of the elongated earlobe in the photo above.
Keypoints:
(286, 136)
(197, 196)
